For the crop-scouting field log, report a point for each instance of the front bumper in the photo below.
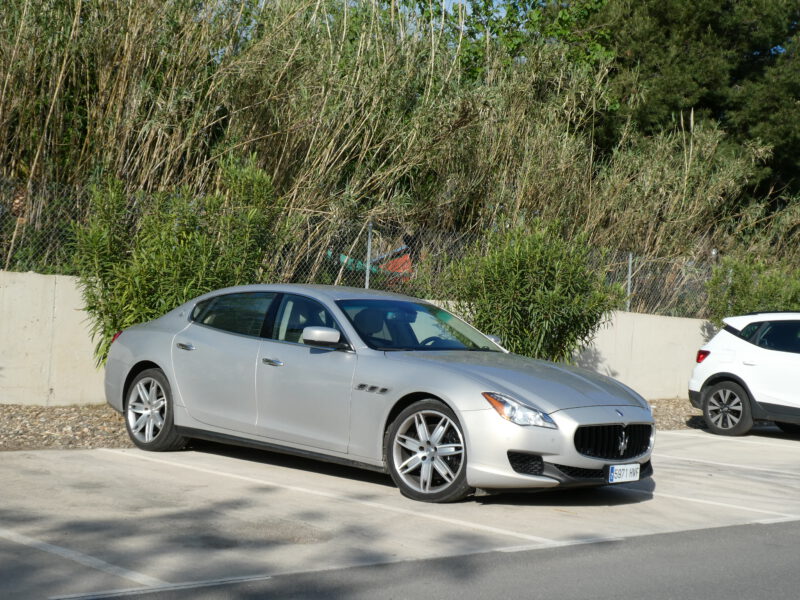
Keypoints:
(494, 442)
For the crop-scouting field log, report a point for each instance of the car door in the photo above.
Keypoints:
(304, 391)
(772, 365)
(214, 359)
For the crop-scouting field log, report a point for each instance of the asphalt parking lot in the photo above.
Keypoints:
(94, 523)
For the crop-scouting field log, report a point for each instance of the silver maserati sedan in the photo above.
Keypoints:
(376, 380)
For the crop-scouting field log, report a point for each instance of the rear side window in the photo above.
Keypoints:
(749, 331)
(783, 336)
(242, 313)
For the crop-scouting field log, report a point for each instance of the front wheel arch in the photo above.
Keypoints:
(446, 452)
(399, 406)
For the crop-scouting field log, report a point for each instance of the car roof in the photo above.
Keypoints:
(743, 320)
(326, 292)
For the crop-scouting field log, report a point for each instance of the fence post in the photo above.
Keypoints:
(630, 282)
(369, 254)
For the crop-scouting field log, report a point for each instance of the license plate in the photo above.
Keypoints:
(623, 473)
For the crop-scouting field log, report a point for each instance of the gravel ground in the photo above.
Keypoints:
(60, 427)
(99, 426)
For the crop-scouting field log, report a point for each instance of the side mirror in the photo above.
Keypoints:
(499, 341)
(322, 336)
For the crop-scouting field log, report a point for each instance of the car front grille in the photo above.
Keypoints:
(527, 464)
(613, 442)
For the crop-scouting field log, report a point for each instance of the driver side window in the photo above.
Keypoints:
(295, 314)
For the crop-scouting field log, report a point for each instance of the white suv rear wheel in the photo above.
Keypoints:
(726, 409)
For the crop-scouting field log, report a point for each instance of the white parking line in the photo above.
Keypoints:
(544, 542)
(192, 585)
(122, 593)
(783, 516)
(721, 464)
(528, 542)
(80, 557)
(721, 439)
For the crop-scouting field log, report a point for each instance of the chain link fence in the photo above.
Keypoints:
(375, 254)
(36, 227)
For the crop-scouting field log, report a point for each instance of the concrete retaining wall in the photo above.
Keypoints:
(652, 354)
(46, 353)
(45, 350)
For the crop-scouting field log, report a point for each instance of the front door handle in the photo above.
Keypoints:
(183, 346)
(749, 363)
(272, 362)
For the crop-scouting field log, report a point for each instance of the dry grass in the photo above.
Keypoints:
(353, 109)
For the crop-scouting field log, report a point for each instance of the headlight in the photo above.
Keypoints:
(518, 413)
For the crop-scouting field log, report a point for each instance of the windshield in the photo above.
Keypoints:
(403, 325)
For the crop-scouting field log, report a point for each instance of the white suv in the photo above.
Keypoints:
(750, 371)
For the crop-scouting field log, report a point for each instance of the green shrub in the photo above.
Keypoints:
(743, 285)
(140, 257)
(534, 289)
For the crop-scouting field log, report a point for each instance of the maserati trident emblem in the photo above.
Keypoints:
(622, 442)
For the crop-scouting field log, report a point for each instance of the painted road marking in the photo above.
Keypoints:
(710, 437)
(80, 557)
(721, 464)
(785, 516)
(345, 499)
(506, 550)
(534, 542)
(191, 585)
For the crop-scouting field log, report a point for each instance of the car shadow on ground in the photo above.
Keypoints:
(608, 495)
(696, 422)
(270, 457)
(588, 496)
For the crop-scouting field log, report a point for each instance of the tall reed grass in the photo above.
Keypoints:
(353, 109)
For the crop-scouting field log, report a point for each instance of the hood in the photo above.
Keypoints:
(549, 386)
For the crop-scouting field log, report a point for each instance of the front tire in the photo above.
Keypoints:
(726, 409)
(149, 413)
(426, 453)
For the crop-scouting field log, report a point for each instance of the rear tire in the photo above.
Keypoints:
(149, 413)
(726, 409)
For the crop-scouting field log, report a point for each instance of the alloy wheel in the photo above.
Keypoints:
(428, 451)
(725, 408)
(146, 412)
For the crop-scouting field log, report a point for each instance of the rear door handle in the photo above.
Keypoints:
(749, 363)
(272, 362)
(183, 346)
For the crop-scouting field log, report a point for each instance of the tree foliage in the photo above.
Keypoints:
(139, 257)
(742, 285)
(662, 128)
(536, 290)
(731, 62)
